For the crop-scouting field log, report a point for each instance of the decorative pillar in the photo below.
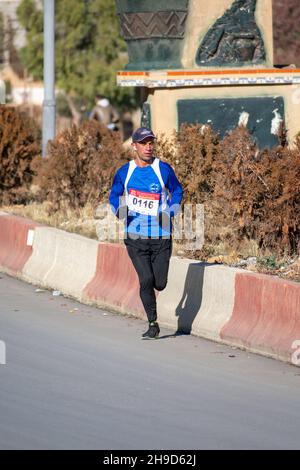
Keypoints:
(154, 33)
(209, 62)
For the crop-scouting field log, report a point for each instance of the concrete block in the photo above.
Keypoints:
(62, 261)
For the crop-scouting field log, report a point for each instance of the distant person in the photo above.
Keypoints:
(105, 113)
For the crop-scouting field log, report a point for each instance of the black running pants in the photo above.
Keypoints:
(150, 258)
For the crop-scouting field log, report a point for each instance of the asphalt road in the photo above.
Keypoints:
(77, 377)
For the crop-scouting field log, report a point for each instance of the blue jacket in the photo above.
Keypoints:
(140, 185)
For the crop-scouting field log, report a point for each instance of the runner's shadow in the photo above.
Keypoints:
(191, 299)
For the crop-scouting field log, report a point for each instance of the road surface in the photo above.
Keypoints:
(77, 377)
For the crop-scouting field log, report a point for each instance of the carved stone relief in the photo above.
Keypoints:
(234, 39)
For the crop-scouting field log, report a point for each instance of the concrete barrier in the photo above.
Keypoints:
(61, 260)
(16, 238)
(257, 312)
(198, 299)
(115, 283)
(265, 316)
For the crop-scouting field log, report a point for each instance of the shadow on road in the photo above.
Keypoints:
(191, 299)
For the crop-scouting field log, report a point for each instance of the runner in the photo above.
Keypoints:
(152, 197)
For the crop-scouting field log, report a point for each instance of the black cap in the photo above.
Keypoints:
(141, 134)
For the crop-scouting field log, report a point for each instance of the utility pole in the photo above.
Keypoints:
(49, 74)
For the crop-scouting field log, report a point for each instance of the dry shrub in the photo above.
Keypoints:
(19, 144)
(249, 195)
(236, 188)
(259, 192)
(191, 152)
(80, 166)
(280, 213)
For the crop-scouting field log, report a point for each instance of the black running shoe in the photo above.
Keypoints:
(153, 331)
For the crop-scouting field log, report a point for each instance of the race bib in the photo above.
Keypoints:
(143, 203)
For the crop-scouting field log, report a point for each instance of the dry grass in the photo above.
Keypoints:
(83, 222)
(79, 221)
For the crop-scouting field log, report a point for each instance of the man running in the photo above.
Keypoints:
(152, 197)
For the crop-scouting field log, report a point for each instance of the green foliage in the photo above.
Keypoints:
(89, 48)
(268, 262)
(62, 106)
(32, 21)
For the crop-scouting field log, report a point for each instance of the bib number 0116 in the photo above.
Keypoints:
(143, 203)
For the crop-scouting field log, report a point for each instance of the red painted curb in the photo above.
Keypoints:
(14, 252)
(266, 314)
(115, 281)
